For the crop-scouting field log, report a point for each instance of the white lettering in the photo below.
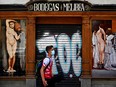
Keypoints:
(64, 43)
(57, 6)
(76, 58)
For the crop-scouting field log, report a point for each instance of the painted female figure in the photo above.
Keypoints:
(100, 44)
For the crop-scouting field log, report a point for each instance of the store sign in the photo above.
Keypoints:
(58, 6)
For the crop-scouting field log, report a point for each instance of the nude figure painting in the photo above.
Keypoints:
(13, 46)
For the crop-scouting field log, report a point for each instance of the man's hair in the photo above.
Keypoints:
(48, 48)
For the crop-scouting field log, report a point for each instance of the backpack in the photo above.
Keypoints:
(39, 65)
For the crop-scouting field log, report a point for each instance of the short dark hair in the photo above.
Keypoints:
(48, 48)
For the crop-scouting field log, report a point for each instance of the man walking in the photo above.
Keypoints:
(46, 69)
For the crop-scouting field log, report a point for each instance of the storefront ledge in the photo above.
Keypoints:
(103, 82)
(30, 77)
(103, 74)
(90, 77)
(12, 77)
(17, 77)
(85, 77)
(104, 78)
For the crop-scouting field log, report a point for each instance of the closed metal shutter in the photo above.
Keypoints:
(67, 41)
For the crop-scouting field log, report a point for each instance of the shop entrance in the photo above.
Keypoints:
(65, 34)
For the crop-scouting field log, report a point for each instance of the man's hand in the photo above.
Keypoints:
(45, 83)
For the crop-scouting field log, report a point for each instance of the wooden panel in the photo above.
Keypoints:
(30, 52)
(59, 20)
(86, 47)
(57, 14)
(0, 32)
(86, 67)
(114, 26)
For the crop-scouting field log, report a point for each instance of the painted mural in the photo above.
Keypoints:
(104, 53)
(12, 47)
(104, 48)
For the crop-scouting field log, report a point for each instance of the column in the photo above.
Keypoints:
(30, 53)
(86, 52)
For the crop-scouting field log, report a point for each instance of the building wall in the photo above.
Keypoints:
(13, 83)
(18, 83)
(103, 83)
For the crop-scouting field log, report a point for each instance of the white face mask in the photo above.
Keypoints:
(52, 52)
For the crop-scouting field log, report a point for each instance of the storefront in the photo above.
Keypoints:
(70, 30)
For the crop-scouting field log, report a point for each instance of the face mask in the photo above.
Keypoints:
(52, 52)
